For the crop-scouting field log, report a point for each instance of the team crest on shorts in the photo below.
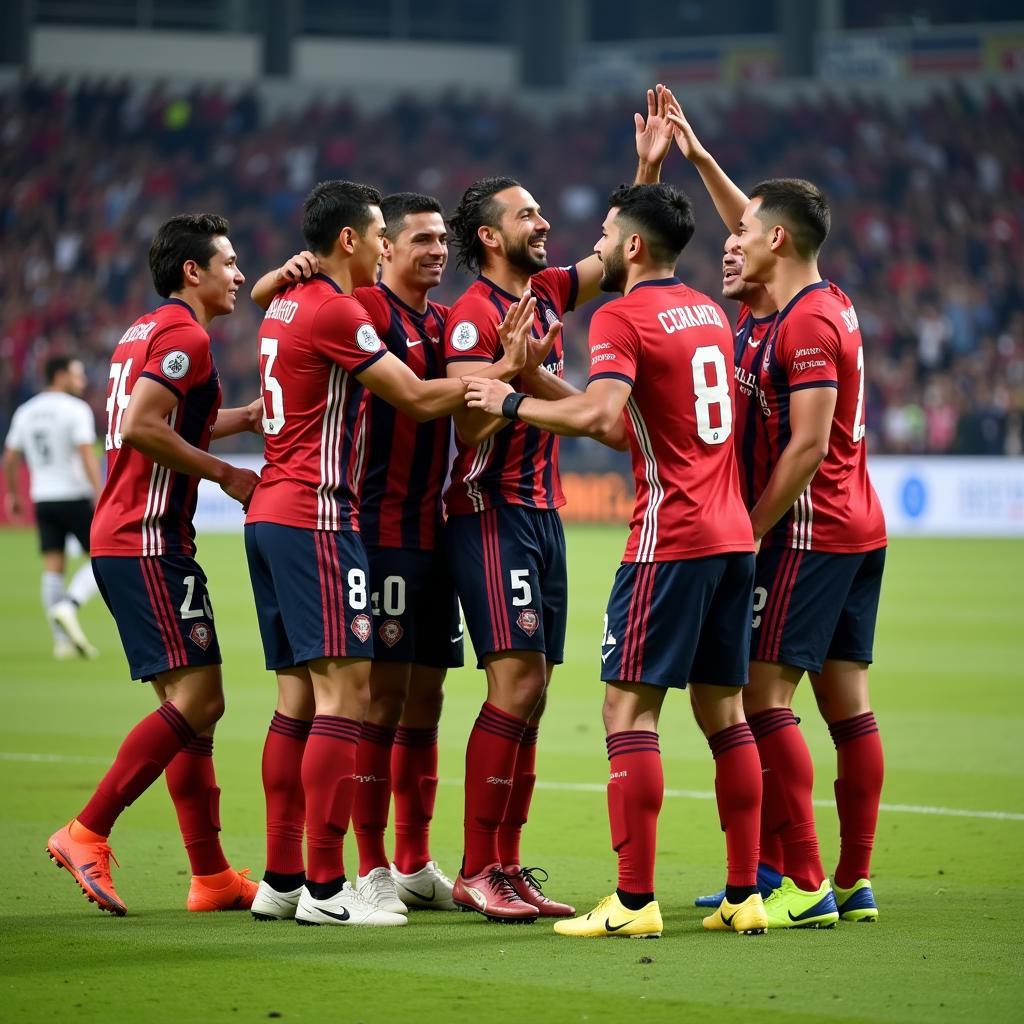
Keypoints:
(391, 632)
(361, 627)
(528, 621)
(201, 635)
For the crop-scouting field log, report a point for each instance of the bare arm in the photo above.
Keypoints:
(596, 412)
(653, 141)
(91, 465)
(238, 421)
(12, 460)
(146, 429)
(810, 417)
(729, 199)
(301, 266)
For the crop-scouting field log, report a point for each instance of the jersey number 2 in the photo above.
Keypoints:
(711, 395)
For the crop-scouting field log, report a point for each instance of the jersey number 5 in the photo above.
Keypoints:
(711, 396)
(273, 396)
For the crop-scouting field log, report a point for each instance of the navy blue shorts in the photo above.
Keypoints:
(415, 609)
(312, 593)
(673, 623)
(509, 569)
(813, 606)
(162, 610)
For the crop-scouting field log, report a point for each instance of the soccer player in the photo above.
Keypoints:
(504, 534)
(309, 570)
(679, 611)
(163, 409)
(54, 434)
(822, 540)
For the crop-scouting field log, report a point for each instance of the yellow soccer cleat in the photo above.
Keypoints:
(790, 907)
(857, 903)
(746, 918)
(610, 919)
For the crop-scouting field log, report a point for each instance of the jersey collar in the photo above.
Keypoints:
(661, 282)
(420, 315)
(501, 291)
(184, 305)
(329, 280)
(817, 286)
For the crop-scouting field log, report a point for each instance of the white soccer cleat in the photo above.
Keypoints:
(65, 614)
(427, 889)
(346, 907)
(64, 649)
(270, 905)
(378, 889)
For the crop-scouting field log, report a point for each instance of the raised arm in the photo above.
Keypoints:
(729, 199)
(653, 141)
(302, 266)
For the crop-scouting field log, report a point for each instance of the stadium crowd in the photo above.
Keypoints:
(928, 220)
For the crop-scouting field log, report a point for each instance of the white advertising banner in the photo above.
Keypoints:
(933, 496)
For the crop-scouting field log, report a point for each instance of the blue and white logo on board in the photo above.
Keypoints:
(914, 497)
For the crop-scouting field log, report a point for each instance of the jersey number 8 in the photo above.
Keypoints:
(710, 396)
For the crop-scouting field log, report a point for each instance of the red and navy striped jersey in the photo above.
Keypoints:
(749, 432)
(519, 464)
(313, 342)
(406, 461)
(673, 346)
(816, 342)
(145, 508)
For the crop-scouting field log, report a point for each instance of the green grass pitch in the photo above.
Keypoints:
(948, 945)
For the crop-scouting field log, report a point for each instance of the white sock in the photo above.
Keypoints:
(52, 591)
(83, 585)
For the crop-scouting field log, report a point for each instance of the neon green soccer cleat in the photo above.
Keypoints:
(610, 919)
(857, 903)
(790, 907)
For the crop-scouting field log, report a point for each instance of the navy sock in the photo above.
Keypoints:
(325, 890)
(634, 900)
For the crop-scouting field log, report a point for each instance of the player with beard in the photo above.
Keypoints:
(679, 610)
(504, 535)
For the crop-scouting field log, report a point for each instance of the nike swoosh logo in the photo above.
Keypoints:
(609, 927)
(412, 344)
(343, 916)
(727, 921)
(815, 911)
(422, 895)
(455, 640)
(604, 656)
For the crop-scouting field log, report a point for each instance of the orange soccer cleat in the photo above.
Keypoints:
(89, 864)
(228, 890)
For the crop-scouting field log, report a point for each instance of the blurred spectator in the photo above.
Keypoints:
(928, 221)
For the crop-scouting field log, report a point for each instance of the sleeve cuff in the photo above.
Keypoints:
(815, 384)
(612, 376)
(367, 363)
(166, 383)
(467, 359)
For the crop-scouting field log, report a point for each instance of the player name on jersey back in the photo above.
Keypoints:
(671, 345)
(816, 342)
(145, 508)
(519, 464)
(314, 341)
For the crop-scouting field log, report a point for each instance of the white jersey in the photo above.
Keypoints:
(47, 430)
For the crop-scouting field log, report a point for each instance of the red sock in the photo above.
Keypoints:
(193, 787)
(771, 842)
(414, 782)
(858, 792)
(146, 751)
(490, 765)
(636, 787)
(738, 791)
(282, 790)
(327, 766)
(518, 810)
(372, 799)
(788, 776)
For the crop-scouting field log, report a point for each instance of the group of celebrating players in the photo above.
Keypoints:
(755, 553)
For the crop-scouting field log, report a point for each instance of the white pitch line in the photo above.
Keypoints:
(593, 787)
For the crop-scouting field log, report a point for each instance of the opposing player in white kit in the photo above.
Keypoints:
(54, 433)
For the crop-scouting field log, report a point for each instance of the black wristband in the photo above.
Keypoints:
(510, 407)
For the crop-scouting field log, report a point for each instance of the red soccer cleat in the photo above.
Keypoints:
(89, 864)
(492, 894)
(237, 892)
(528, 886)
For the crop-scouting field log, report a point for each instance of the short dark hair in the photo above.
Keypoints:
(55, 365)
(476, 208)
(400, 205)
(188, 236)
(332, 206)
(660, 214)
(801, 207)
